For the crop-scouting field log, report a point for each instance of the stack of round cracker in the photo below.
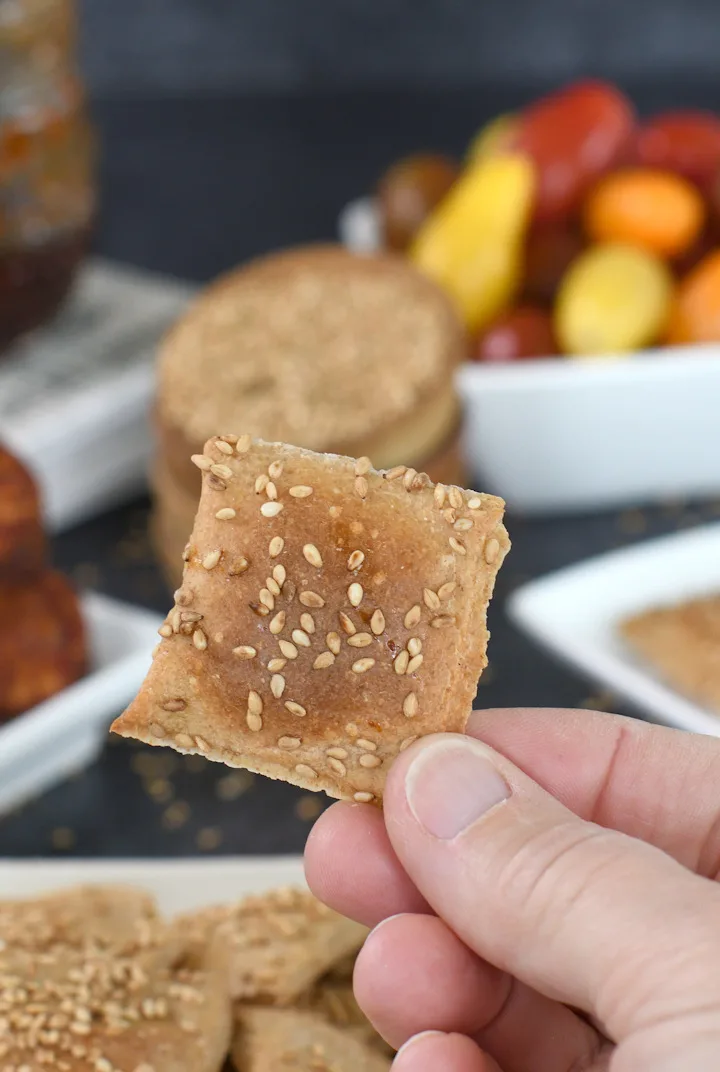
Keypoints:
(317, 347)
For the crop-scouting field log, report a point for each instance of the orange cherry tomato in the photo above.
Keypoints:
(409, 191)
(550, 249)
(695, 316)
(573, 137)
(658, 211)
(685, 142)
(522, 333)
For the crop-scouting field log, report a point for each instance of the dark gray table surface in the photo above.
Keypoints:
(192, 188)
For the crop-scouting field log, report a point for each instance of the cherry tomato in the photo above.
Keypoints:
(521, 333)
(408, 193)
(655, 210)
(713, 201)
(695, 315)
(496, 137)
(550, 249)
(705, 242)
(614, 299)
(687, 143)
(573, 137)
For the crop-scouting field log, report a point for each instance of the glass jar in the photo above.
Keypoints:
(47, 192)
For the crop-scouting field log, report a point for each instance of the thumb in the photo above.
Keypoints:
(585, 915)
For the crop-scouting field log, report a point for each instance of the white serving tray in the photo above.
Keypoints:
(66, 733)
(178, 885)
(75, 397)
(567, 435)
(575, 612)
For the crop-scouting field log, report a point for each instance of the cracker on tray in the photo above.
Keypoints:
(276, 1040)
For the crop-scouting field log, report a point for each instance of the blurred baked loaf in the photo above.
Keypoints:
(314, 346)
(22, 540)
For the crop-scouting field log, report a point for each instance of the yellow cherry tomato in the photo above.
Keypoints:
(613, 299)
(471, 244)
(696, 312)
(495, 137)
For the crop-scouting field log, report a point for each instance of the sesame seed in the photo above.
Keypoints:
(409, 478)
(362, 466)
(276, 664)
(395, 472)
(337, 766)
(492, 548)
(279, 574)
(202, 744)
(356, 560)
(450, 516)
(191, 616)
(174, 619)
(377, 622)
(231, 439)
(305, 771)
(402, 660)
(457, 546)
(312, 555)
(307, 622)
(267, 598)
(165, 630)
(254, 722)
(414, 646)
(255, 704)
(239, 566)
(222, 472)
(276, 545)
(311, 599)
(475, 503)
(337, 753)
(245, 651)
(226, 514)
(346, 623)
(407, 742)
(223, 447)
(295, 708)
(442, 621)
(413, 616)
(182, 598)
(439, 495)
(271, 490)
(301, 491)
(324, 659)
(333, 642)
(277, 685)
(410, 705)
(211, 559)
(463, 524)
(367, 746)
(355, 594)
(243, 444)
(271, 509)
(176, 704)
(182, 740)
(363, 798)
(272, 586)
(278, 623)
(289, 650)
(201, 461)
(275, 470)
(455, 497)
(447, 589)
(301, 638)
(261, 483)
(157, 730)
(414, 664)
(289, 742)
(199, 640)
(363, 665)
(369, 761)
(431, 599)
(361, 486)
(360, 640)
(259, 608)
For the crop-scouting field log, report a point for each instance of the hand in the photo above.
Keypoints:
(543, 896)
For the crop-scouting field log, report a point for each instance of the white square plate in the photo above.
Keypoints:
(575, 614)
(66, 732)
(178, 885)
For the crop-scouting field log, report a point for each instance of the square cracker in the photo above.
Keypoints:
(329, 615)
(277, 945)
(683, 644)
(275, 1040)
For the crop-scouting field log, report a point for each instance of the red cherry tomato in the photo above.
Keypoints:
(522, 333)
(549, 251)
(687, 143)
(573, 137)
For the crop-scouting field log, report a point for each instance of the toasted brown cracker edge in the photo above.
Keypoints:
(329, 615)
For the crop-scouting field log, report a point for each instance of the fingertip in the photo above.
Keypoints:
(432, 1050)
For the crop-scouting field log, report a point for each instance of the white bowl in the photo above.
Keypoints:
(560, 434)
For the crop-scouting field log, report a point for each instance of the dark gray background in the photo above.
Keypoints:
(221, 46)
